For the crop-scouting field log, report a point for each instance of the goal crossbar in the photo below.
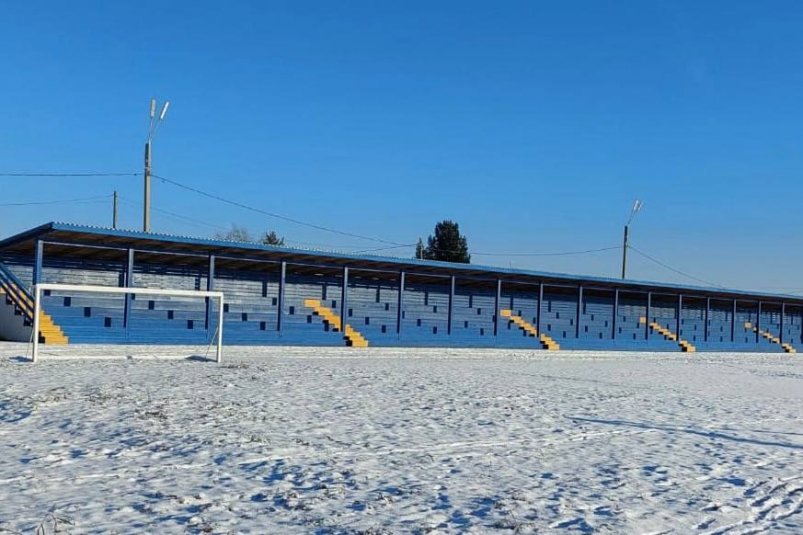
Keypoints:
(41, 287)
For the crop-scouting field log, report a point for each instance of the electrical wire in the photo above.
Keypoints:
(35, 174)
(220, 228)
(679, 272)
(392, 244)
(174, 215)
(96, 198)
(564, 253)
(272, 214)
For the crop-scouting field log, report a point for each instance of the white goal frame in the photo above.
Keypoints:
(41, 287)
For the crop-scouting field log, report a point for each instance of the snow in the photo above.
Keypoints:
(334, 440)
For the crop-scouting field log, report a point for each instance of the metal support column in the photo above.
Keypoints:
(647, 316)
(210, 285)
(538, 310)
(707, 316)
(615, 313)
(38, 261)
(344, 300)
(451, 305)
(783, 313)
(129, 283)
(758, 322)
(579, 312)
(733, 323)
(280, 298)
(496, 305)
(678, 321)
(400, 308)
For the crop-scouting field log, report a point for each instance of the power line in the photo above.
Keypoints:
(60, 201)
(679, 272)
(271, 214)
(35, 174)
(394, 245)
(174, 215)
(564, 253)
(198, 222)
(377, 249)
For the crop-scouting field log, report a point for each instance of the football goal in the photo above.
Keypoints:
(110, 315)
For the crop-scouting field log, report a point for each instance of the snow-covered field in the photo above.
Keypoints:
(289, 440)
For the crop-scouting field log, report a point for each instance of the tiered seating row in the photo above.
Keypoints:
(251, 314)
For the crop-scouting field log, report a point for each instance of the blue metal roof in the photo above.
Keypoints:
(402, 263)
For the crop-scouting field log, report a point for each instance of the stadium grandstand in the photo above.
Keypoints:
(287, 296)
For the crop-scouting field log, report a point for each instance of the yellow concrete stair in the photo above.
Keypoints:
(685, 345)
(547, 342)
(49, 332)
(326, 313)
(787, 347)
(352, 337)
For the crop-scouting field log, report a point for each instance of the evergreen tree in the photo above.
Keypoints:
(446, 245)
(271, 238)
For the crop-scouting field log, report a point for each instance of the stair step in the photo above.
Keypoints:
(351, 337)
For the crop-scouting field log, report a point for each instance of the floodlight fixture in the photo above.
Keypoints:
(164, 110)
(635, 210)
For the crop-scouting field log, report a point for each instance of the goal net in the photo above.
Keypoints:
(70, 314)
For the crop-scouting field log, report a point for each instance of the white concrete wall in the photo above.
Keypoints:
(12, 327)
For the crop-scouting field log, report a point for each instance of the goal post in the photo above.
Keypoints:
(39, 289)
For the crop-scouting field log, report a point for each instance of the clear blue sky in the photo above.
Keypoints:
(534, 125)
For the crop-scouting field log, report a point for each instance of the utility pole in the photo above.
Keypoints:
(635, 210)
(154, 124)
(624, 254)
(146, 215)
(114, 210)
